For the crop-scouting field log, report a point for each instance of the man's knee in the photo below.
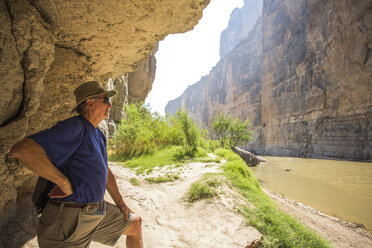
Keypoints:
(135, 227)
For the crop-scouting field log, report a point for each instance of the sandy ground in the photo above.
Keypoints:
(169, 221)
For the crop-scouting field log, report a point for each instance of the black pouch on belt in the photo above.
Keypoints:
(101, 209)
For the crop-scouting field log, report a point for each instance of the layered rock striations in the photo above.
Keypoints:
(313, 91)
(47, 48)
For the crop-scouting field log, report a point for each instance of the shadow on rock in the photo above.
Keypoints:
(21, 225)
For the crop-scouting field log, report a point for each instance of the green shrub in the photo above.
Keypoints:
(200, 152)
(191, 133)
(213, 145)
(142, 132)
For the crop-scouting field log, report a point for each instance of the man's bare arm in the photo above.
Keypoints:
(34, 158)
(113, 190)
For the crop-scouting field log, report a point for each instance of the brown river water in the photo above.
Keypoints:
(338, 188)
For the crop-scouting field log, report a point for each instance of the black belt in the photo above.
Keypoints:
(73, 204)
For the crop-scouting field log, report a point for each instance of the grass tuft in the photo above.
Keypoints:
(134, 181)
(199, 191)
(204, 188)
(208, 160)
(162, 179)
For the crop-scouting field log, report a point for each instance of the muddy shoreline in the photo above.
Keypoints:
(337, 232)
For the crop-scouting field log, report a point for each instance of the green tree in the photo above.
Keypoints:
(239, 132)
(232, 132)
(221, 125)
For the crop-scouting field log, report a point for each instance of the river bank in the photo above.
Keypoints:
(342, 189)
(339, 233)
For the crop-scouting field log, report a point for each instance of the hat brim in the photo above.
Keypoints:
(109, 93)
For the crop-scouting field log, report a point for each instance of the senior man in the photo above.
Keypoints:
(72, 155)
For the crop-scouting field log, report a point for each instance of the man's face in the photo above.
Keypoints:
(100, 107)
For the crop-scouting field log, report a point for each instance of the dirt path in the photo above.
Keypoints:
(168, 221)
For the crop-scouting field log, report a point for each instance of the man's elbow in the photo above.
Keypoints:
(19, 148)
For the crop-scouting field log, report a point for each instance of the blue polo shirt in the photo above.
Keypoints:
(78, 150)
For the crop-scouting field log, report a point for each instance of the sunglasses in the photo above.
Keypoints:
(106, 100)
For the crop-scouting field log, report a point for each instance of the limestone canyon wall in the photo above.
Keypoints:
(306, 86)
(242, 21)
(47, 48)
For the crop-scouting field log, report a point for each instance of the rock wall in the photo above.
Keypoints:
(48, 48)
(317, 85)
(242, 21)
(313, 91)
(131, 87)
(138, 81)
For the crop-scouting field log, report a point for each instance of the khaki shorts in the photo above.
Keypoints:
(75, 227)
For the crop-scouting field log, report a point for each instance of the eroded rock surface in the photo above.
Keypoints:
(306, 85)
(48, 48)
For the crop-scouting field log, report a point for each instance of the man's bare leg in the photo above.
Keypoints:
(134, 234)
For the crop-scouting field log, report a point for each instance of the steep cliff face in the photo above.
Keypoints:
(48, 48)
(242, 21)
(233, 85)
(314, 89)
(316, 85)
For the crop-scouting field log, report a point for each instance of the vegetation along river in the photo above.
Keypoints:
(338, 188)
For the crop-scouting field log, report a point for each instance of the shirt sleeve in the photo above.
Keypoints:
(104, 151)
(60, 141)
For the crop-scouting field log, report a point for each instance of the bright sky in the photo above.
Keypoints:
(183, 59)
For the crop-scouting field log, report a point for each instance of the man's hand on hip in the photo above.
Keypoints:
(61, 191)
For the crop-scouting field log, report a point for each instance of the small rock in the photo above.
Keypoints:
(254, 244)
